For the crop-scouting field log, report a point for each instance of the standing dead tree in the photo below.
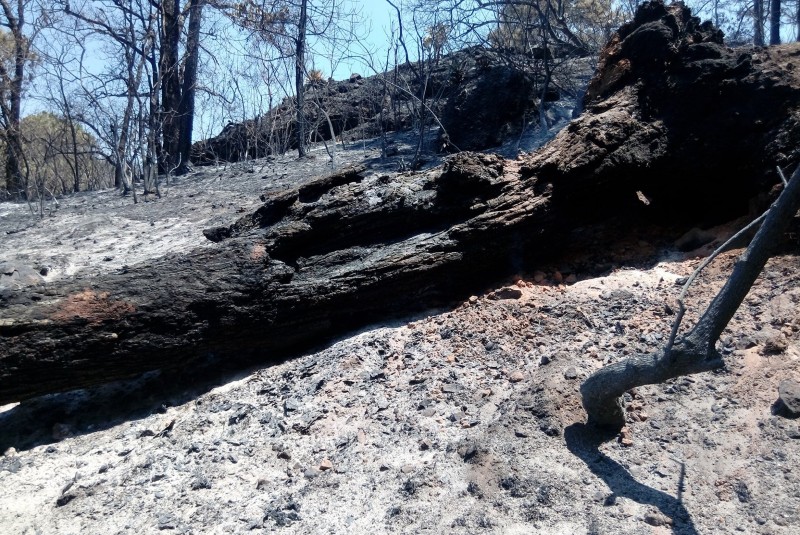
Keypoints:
(14, 60)
(695, 352)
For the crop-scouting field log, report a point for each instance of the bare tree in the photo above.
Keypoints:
(758, 22)
(17, 46)
(775, 22)
(695, 352)
(291, 26)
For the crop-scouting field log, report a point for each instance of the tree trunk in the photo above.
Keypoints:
(758, 22)
(775, 22)
(186, 112)
(12, 100)
(169, 74)
(299, 78)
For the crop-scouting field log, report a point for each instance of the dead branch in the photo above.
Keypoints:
(696, 352)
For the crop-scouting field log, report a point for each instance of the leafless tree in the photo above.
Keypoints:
(694, 352)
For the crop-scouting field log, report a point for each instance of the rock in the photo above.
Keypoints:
(311, 473)
(468, 451)
(325, 465)
(516, 376)
(167, 521)
(775, 345)
(789, 395)
(408, 469)
(625, 437)
(505, 293)
(655, 518)
(199, 481)
(519, 433)
(571, 373)
(291, 405)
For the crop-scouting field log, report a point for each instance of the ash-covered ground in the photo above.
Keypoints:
(463, 420)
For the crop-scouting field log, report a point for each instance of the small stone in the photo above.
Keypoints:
(290, 405)
(571, 373)
(516, 376)
(775, 345)
(326, 464)
(451, 388)
(473, 299)
(467, 451)
(10, 452)
(361, 436)
(311, 473)
(430, 411)
(167, 521)
(466, 423)
(262, 484)
(199, 481)
(625, 437)
(519, 433)
(285, 455)
(505, 293)
(657, 519)
(408, 469)
(789, 394)
(425, 444)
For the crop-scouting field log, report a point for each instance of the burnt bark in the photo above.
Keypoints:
(299, 78)
(663, 117)
(11, 101)
(775, 22)
(188, 91)
(169, 71)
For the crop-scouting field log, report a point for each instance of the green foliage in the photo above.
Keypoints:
(527, 25)
(53, 163)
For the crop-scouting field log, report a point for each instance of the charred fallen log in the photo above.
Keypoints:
(672, 117)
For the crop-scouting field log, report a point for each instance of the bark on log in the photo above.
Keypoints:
(665, 107)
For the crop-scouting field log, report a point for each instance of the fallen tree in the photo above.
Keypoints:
(669, 108)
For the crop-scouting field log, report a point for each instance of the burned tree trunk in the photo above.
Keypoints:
(664, 110)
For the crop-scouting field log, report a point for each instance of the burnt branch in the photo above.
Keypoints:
(696, 352)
